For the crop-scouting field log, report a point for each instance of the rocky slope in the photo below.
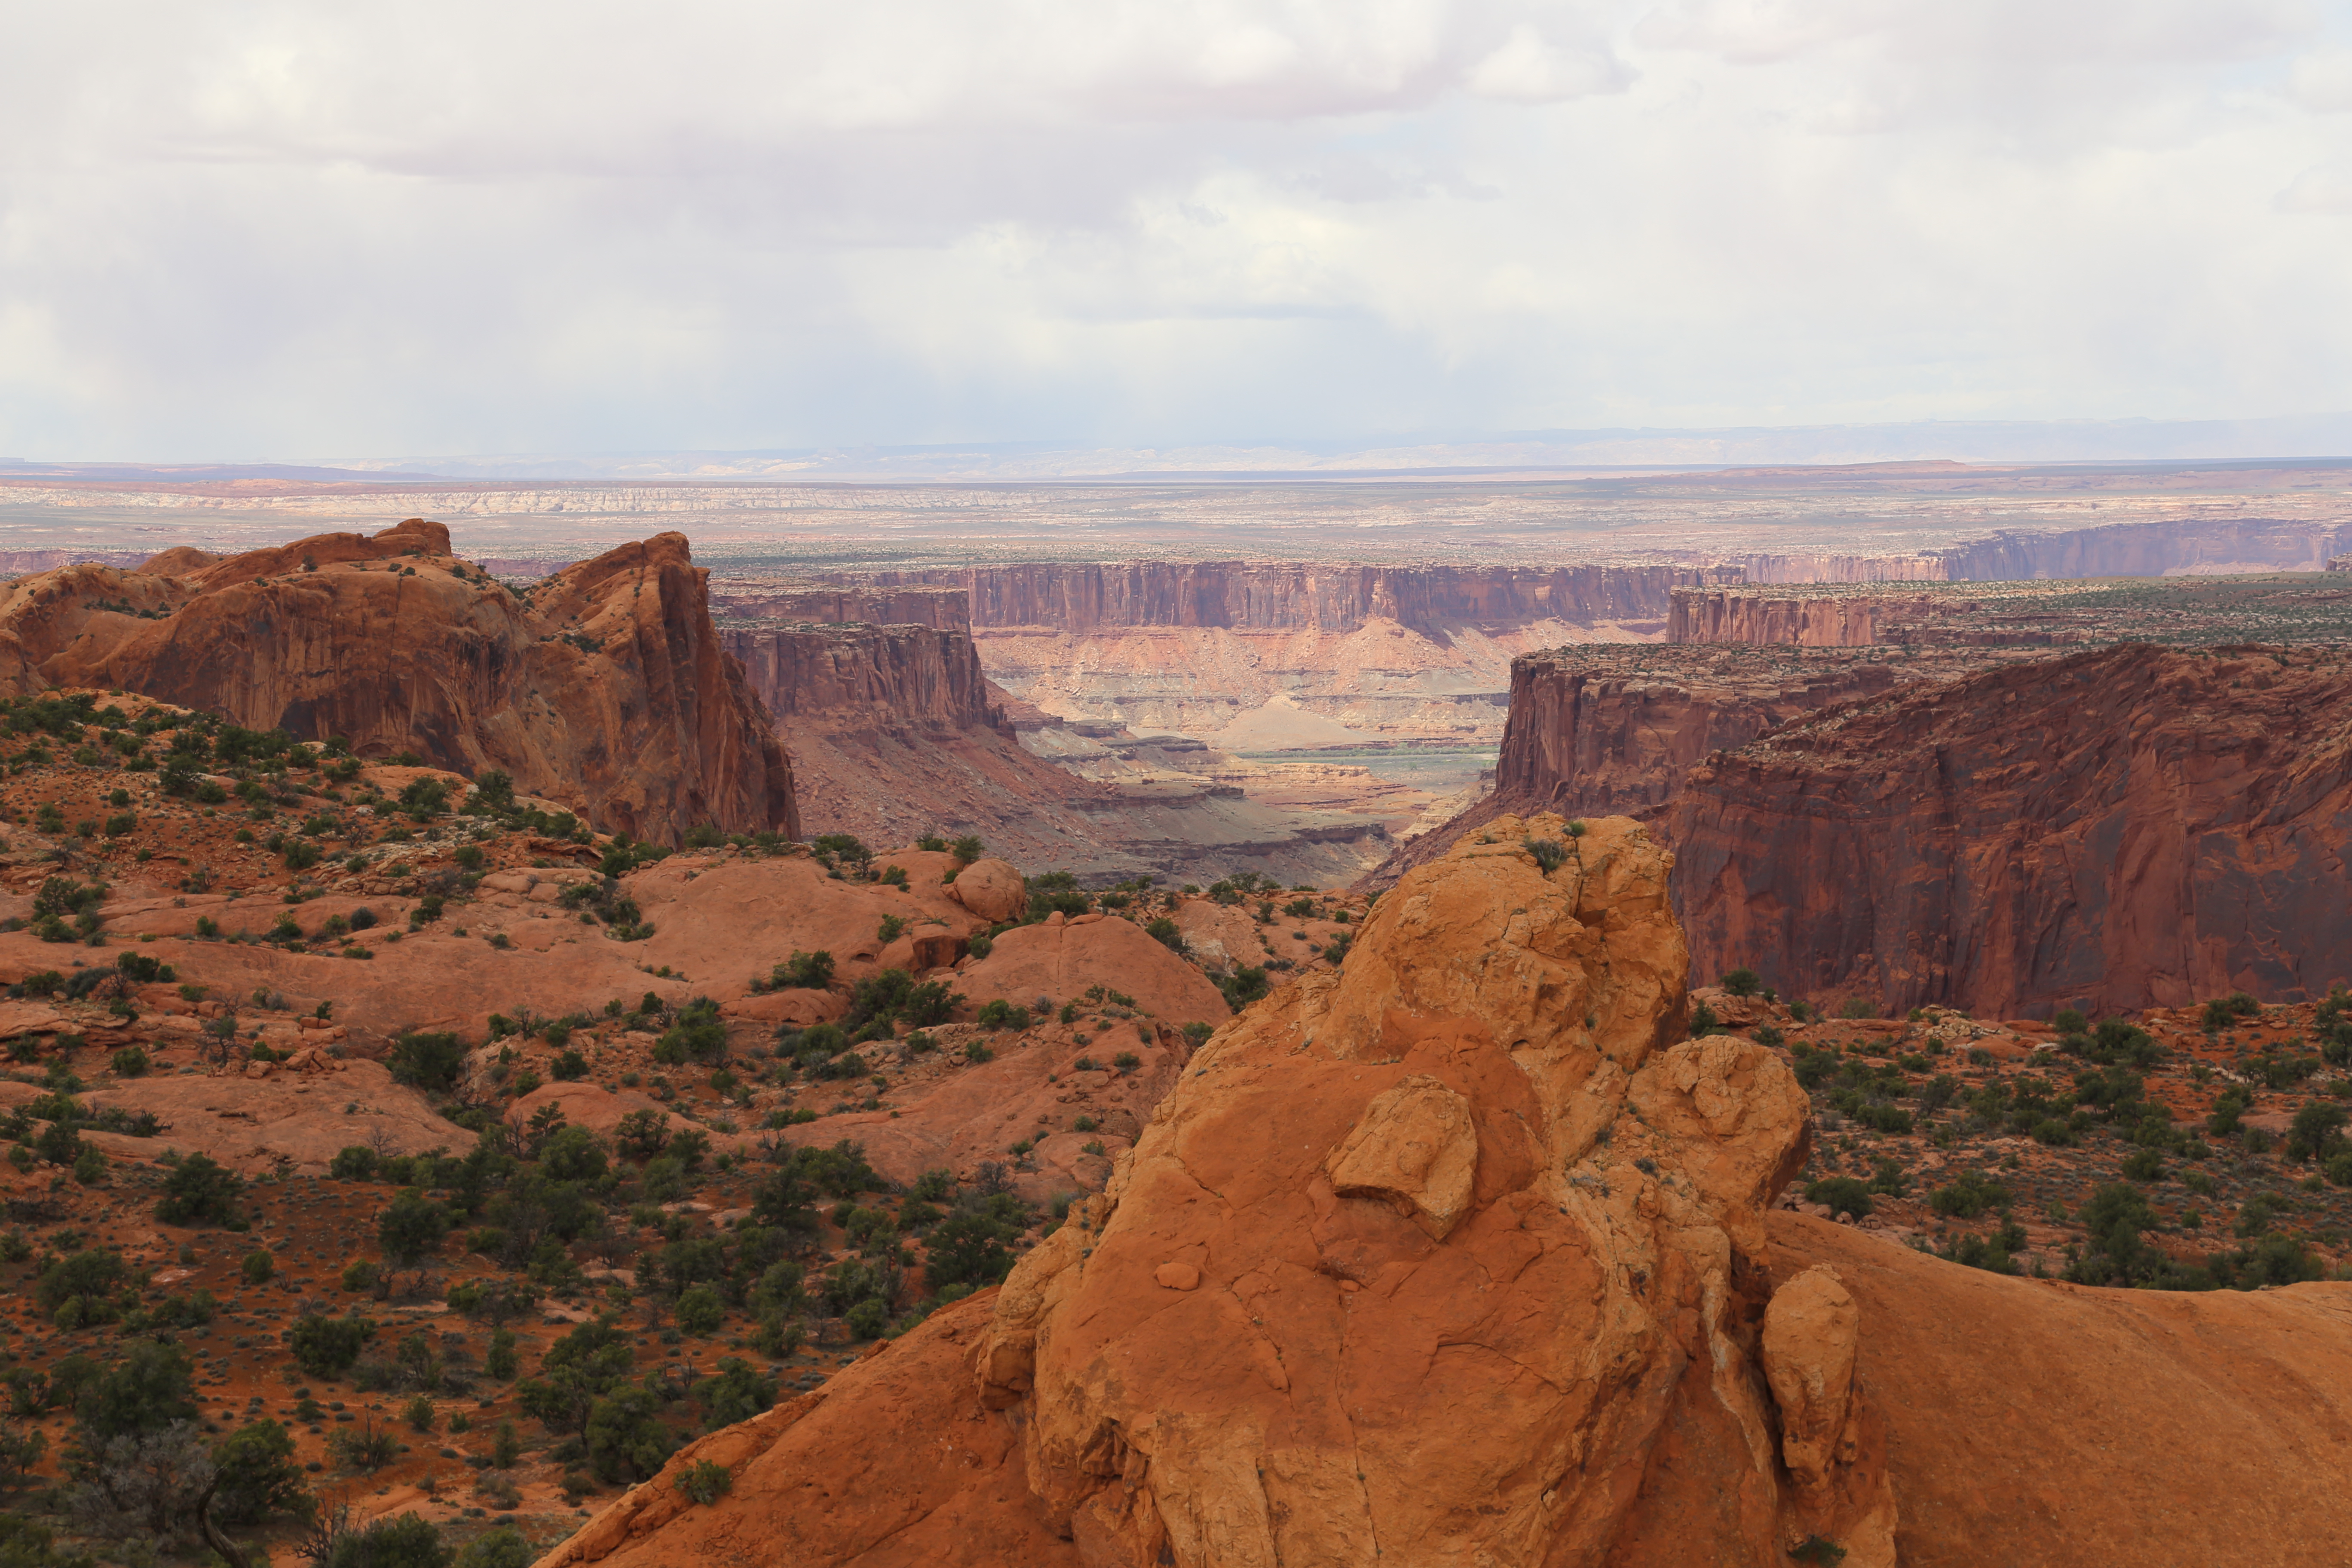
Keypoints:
(2129, 827)
(1467, 1256)
(605, 688)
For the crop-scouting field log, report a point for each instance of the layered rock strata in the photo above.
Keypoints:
(606, 688)
(2130, 827)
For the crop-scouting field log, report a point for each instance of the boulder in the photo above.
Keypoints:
(991, 890)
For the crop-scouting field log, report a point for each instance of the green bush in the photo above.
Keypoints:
(1971, 1194)
(326, 1347)
(429, 1061)
(1841, 1194)
(705, 1481)
(259, 1477)
(1742, 981)
(804, 971)
(699, 1310)
(411, 1227)
(258, 1268)
(400, 1541)
(200, 1191)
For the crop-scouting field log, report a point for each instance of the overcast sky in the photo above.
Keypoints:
(252, 230)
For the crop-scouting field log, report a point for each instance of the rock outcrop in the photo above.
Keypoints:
(1596, 730)
(606, 690)
(1456, 1257)
(1466, 1257)
(2131, 827)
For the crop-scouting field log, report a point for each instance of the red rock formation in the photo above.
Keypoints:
(1849, 620)
(1595, 730)
(1256, 595)
(608, 690)
(2129, 827)
(1459, 1257)
(858, 673)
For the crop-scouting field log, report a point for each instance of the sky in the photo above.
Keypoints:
(246, 231)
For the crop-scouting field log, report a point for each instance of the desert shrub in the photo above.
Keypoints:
(80, 1287)
(642, 1134)
(705, 1481)
(258, 1267)
(354, 1162)
(625, 1439)
(411, 1227)
(736, 1392)
(326, 1347)
(2223, 1011)
(999, 1013)
(1742, 981)
(699, 1310)
(199, 1191)
(2143, 1165)
(2317, 1130)
(141, 1482)
(501, 1548)
(1841, 1194)
(1246, 984)
(399, 1541)
(429, 1061)
(131, 1062)
(259, 1477)
(148, 1390)
(1971, 1194)
(697, 1035)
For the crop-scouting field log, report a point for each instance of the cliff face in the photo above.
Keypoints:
(2156, 549)
(1087, 596)
(863, 673)
(608, 690)
(2149, 550)
(1594, 730)
(2130, 827)
(1788, 620)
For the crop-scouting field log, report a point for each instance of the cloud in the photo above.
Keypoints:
(265, 228)
(2326, 189)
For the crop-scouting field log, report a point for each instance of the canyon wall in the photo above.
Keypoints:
(2170, 546)
(2129, 827)
(1293, 595)
(880, 675)
(606, 690)
(1594, 730)
(2187, 545)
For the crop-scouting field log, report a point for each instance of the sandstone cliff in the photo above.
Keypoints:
(1293, 595)
(606, 690)
(1595, 731)
(2129, 827)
